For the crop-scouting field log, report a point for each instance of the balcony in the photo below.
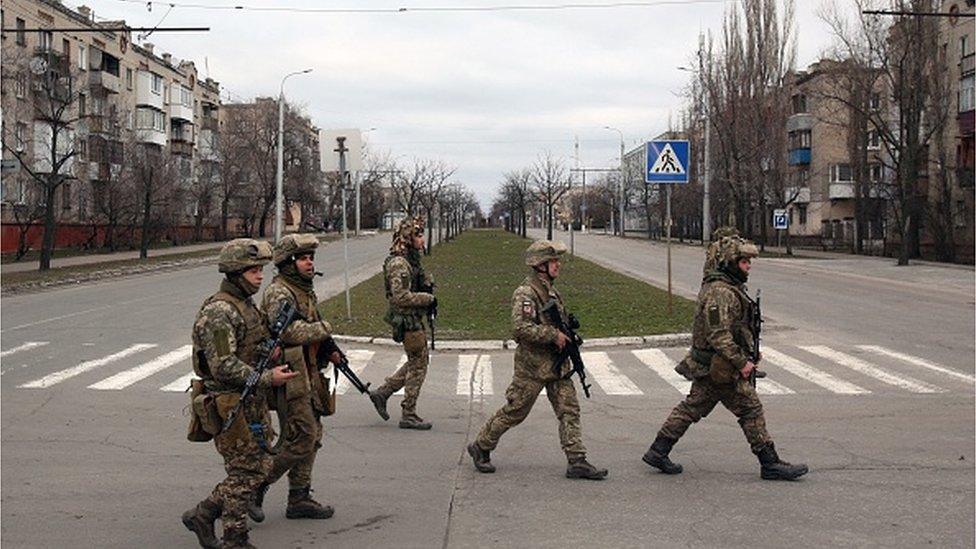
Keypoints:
(179, 111)
(799, 156)
(151, 135)
(100, 81)
(799, 122)
(145, 95)
(966, 65)
(56, 61)
(841, 191)
(99, 171)
(180, 147)
(797, 195)
(209, 123)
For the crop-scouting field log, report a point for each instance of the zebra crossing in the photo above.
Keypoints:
(793, 369)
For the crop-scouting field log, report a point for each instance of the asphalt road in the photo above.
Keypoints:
(871, 383)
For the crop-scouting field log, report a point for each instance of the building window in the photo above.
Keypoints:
(802, 209)
(157, 83)
(966, 98)
(45, 40)
(128, 79)
(21, 86)
(83, 149)
(66, 196)
(841, 173)
(874, 140)
(876, 172)
(21, 35)
(150, 119)
(874, 102)
(799, 104)
(186, 98)
(82, 57)
(800, 139)
(66, 48)
(961, 216)
(20, 136)
(963, 45)
(81, 105)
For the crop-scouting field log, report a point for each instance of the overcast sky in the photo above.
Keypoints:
(485, 91)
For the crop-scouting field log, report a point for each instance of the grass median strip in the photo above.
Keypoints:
(476, 275)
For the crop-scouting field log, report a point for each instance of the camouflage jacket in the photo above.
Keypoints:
(301, 338)
(226, 335)
(403, 282)
(722, 324)
(532, 329)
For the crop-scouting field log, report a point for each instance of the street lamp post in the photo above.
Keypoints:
(620, 196)
(279, 181)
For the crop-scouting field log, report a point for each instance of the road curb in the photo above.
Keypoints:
(659, 340)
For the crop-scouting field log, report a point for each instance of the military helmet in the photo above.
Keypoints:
(403, 236)
(541, 251)
(724, 231)
(243, 253)
(733, 248)
(293, 245)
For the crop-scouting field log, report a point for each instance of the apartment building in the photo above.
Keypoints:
(122, 95)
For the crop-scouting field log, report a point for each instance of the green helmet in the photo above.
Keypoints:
(724, 231)
(541, 251)
(293, 245)
(734, 248)
(241, 254)
(403, 236)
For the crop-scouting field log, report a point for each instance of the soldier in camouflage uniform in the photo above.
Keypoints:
(306, 394)
(405, 282)
(722, 345)
(539, 344)
(711, 253)
(227, 334)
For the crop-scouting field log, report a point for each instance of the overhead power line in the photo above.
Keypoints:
(437, 9)
(919, 13)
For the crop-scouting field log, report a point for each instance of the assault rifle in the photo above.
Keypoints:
(571, 350)
(431, 314)
(756, 328)
(329, 346)
(286, 314)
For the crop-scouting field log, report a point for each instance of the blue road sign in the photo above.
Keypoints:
(781, 219)
(667, 161)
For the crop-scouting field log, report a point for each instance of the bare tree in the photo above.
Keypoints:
(550, 181)
(153, 173)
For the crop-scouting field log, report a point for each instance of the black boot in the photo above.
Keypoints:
(254, 510)
(775, 469)
(657, 456)
(236, 539)
(760, 373)
(379, 399)
(200, 521)
(482, 458)
(301, 505)
(580, 468)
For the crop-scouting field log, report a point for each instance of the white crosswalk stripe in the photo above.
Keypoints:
(180, 385)
(26, 346)
(123, 379)
(400, 362)
(474, 376)
(766, 386)
(608, 376)
(813, 375)
(868, 369)
(918, 362)
(663, 366)
(58, 377)
(358, 359)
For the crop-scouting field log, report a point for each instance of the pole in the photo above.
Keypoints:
(668, 229)
(706, 198)
(341, 149)
(279, 177)
(359, 183)
(583, 221)
(620, 198)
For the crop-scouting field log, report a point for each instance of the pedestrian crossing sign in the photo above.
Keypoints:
(667, 161)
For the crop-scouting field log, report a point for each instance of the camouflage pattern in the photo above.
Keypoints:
(226, 335)
(303, 392)
(739, 397)
(711, 253)
(536, 351)
(403, 236)
(293, 245)
(541, 251)
(410, 377)
(243, 253)
(722, 324)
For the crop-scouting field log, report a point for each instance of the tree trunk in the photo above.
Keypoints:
(50, 227)
(224, 206)
(549, 221)
(146, 212)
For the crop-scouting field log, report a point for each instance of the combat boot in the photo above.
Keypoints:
(413, 421)
(200, 521)
(482, 458)
(236, 539)
(657, 456)
(379, 399)
(580, 468)
(772, 468)
(760, 373)
(301, 505)
(254, 510)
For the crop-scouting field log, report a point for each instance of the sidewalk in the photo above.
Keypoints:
(72, 261)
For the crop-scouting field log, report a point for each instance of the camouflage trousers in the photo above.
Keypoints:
(521, 396)
(410, 377)
(739, 397)
(297, 454)
(247, 465)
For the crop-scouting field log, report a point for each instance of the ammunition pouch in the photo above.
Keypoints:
(298, 386)
(721, 371)
(690, 368)
(204, 421)
(326, 395)
(225, 402)
(399, 324)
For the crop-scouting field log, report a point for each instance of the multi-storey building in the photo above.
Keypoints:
(122, 95)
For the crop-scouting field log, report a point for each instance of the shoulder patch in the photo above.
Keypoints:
(222, 342)
(528, 309)
(714, 317)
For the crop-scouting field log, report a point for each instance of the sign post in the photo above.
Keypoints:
(781, 221)
(666, 163)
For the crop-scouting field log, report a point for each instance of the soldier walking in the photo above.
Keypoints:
(720, 365)
(227, 333)
(307, 393)
(539, 344)
(409, 291)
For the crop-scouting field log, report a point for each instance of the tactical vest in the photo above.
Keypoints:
(741, 328)
(544, 295)
(247, 347)
(412, 317)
